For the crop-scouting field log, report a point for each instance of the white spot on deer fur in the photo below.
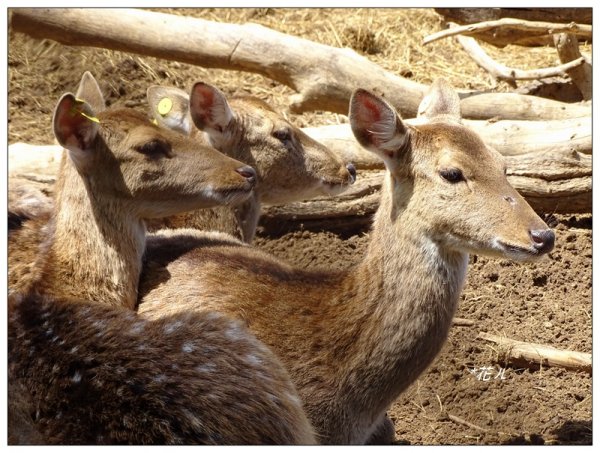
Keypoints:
(137, 328)
(208, 367)
(55, 369)
(76, 377)
(74, 349)
(159, 378)
(188, 347)
(172, 327)
(253, 360)
(233, 332)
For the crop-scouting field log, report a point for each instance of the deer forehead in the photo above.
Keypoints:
(457, 146)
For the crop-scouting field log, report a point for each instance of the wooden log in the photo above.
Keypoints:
(568, 50)
(502, 37)
(526, 27)
(510, 138)
(533, 354)
(323, 76)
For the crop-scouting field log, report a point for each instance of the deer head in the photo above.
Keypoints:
(453, 185)
(290, 165)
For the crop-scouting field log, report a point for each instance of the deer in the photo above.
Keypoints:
(290, 165)
(84, 367)
(354, 340)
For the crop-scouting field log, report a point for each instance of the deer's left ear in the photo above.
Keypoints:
(170, 107)
(377, 126)
(209, 108)
(75, 128)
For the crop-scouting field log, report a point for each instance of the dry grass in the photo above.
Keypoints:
(390, 37)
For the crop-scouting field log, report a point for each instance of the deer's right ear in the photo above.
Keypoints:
(170, 107)
(377, 126)
(75, 124)
(90, 92)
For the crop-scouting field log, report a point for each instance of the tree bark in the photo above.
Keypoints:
(323, 76)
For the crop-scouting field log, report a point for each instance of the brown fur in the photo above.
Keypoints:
(102, 375)
(353, 341)
(296, 169)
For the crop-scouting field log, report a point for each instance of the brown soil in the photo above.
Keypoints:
(548, 302)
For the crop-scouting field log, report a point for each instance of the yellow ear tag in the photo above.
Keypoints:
(164, 106)
(91, 118)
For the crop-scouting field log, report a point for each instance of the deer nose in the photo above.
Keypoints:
(543, 240)
(352, 170)
(247, 172)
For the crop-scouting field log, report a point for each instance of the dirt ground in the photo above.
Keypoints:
(459, 399)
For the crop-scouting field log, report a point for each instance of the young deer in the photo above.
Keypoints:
(354, 340)
(118, 170)
(84, 367)
(290, 165)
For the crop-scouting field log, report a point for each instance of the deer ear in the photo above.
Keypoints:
(75, 126)
(209, 108)
(441, 101)
(90, 92)
(170, 107)
(377, 126)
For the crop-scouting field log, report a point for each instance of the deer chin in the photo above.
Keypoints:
(231, 196)
(333, 188)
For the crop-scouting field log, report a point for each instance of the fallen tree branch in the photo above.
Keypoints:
(529, 27)
(323, 76)
(501, 72)
(522, 353)
(501, 37)
(568, 50)
(462, 322)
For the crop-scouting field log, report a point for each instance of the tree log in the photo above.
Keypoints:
(503, 37)
(323, 76)
(568, 50)
(533, 354)
(510, 138)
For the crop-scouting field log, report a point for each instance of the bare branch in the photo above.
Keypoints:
(505, 73)
(534, 28)
(520, 352)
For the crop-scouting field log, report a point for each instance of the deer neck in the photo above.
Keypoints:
(407, 289)
(96, 247)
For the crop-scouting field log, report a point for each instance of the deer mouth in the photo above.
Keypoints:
(518, 252)
(233, 195)
(334, 187)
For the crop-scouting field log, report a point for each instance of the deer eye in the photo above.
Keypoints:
(452, 175)
(283, 135)
(155, 148)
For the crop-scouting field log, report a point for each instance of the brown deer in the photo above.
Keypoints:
(354, 340)
(84, 368)
(290, 165)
